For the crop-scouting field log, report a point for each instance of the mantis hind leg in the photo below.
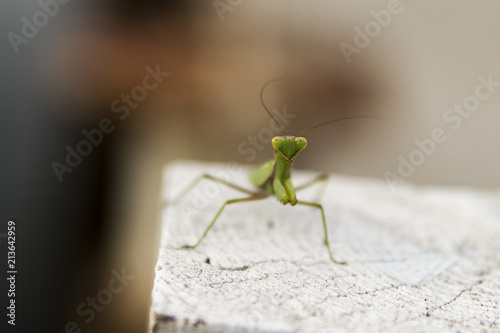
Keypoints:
(321, 178)
(327, 242)
(215, 179)
(228, 202)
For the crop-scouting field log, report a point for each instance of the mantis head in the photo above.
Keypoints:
(288, 146)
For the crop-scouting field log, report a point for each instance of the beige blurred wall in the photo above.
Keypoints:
(427, 59)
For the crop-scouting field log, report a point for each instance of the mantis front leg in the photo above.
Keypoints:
(280, 192)
(284, 191)
(290, 191)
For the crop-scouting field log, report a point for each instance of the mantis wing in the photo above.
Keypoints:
(259, 176)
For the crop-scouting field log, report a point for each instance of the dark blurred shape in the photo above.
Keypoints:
(133, 11)
(58, 224)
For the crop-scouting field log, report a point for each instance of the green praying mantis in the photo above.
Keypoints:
(273, 177)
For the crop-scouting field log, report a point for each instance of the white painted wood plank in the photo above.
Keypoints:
(419, 259)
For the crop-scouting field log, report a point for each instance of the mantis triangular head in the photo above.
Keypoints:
(289, 146)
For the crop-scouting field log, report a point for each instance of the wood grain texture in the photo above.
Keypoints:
(419, 258)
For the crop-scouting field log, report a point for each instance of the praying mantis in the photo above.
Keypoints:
(273, 177)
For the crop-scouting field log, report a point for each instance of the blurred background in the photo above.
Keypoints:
(66, 66)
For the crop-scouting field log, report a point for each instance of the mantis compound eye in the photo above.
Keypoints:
(277, 142)
(301, 142)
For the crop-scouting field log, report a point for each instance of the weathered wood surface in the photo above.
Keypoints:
(420, 259)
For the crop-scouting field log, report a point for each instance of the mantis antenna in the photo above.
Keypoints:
(339, 119)
(267, 110)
